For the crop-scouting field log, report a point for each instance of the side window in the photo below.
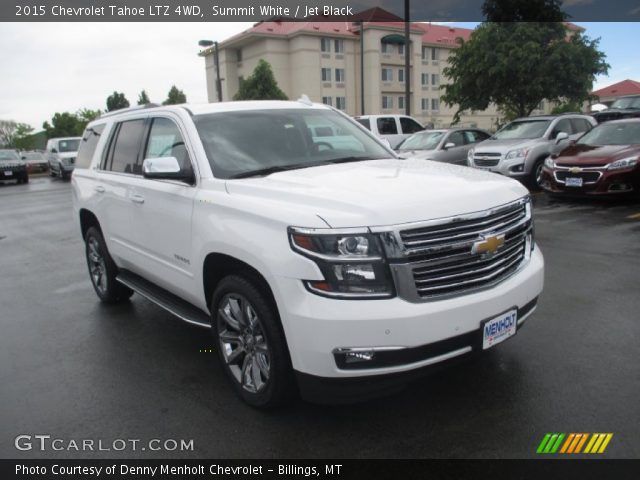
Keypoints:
(125, 148)
(165, 140)
(580, 125)
(387, 126)
(364, 122)
(88, 146)
(409, 125)
(456, 138)
(563, 125)
(474, 136)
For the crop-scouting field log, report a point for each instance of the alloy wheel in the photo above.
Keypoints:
(243, 342)
(97, 266)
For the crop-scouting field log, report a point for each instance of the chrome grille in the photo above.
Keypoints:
(486, 159)
(445, 258)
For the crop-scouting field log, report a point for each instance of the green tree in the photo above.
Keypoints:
(143, 98)
(116, 101)
(261, 85)
(24, 139)
(175, 97)
(7, 133)
(64, 124)
(87, 115)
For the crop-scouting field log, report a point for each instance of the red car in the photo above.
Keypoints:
(604, 161)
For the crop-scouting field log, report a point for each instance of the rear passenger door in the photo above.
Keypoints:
(162, 210)
(119, 168)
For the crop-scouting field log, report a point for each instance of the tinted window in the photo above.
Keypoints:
(124, 156)
(387, 126)
(563, 125)
(474, 136)
(364, 122)
(580, 125)
(523, 129)
(88, 145)
(165, 140)
(409, 125)
(456, 138)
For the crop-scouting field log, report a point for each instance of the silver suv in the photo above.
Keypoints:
(520, 148)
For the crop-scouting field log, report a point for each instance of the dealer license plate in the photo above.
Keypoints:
(573, 182)
(500, 328)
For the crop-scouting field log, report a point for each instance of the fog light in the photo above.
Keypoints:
(517, 168)
(360, 356)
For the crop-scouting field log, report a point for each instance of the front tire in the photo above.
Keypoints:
(535, 178)
(250, 342)
(103, 270)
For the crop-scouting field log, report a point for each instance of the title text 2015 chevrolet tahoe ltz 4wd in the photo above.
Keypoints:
(334, 269)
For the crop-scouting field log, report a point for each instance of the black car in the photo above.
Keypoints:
(12, 167)
(623, 107)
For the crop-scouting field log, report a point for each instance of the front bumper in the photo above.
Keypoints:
(15, 174)
(514, 168)
(609, 183)
(316, 327)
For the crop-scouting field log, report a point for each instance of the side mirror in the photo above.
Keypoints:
(23, 157)
(53, 150)
(561, 136)
(164, 168)
(448, 145)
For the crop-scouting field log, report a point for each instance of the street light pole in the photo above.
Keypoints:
(361, 67)
(407, 56)
(207, 44)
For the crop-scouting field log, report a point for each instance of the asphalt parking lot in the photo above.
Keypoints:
(73, 368)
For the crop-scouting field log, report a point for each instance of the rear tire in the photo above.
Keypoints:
(250, 343)
(103, 270)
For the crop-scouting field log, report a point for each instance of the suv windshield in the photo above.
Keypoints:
(8, 155)
(246, 143)
(522, 129)
(629, 102)
(422, 141)
(65, 146)
(612, 134)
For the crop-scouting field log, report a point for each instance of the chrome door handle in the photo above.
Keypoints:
(100, 189)
(137, 198)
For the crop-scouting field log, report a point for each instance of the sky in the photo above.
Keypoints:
(56, 67)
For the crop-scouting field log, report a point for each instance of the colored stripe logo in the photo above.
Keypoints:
(572, 443)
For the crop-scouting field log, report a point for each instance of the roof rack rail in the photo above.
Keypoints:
(129, 109)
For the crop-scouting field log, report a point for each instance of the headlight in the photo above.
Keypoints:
(549, 163)
(629, 162)
(351, 261)
(518, 153)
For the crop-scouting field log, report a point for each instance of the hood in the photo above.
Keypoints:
(382, 192)
(503, 146)
(595, 155)
(421, 154)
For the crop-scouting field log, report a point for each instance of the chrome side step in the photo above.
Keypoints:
(165, 299)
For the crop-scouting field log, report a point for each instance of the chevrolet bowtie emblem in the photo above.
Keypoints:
(489, 245)
(575, 170)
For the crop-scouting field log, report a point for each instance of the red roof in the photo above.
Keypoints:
(626, 87)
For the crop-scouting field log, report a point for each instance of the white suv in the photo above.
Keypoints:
(334, 267)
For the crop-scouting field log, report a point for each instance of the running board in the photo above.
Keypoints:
(165, 299)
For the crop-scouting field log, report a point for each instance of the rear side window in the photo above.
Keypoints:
(88, 145)
(580, 125)
(409, 125)
(387, 126)
(365, 122)
(125, 148)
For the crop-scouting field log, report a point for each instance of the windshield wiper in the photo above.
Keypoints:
(261, 172)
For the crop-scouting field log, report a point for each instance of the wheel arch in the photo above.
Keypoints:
(88, 220)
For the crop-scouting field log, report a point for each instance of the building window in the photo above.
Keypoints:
(325, 44)
(401, 103)
(435, 79)
(435, 54)
(425, 104)
(339, 75)
(339, 46)
(385, 47)
(239, 55)
(425, 79)
(341, 103)
(327, 100)
(401, 75)
(387, 74)
(326, 74)
(435, 104)
(387, 102)
(425, 53)
(401, 48)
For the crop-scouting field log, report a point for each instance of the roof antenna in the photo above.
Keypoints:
(305, 99)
